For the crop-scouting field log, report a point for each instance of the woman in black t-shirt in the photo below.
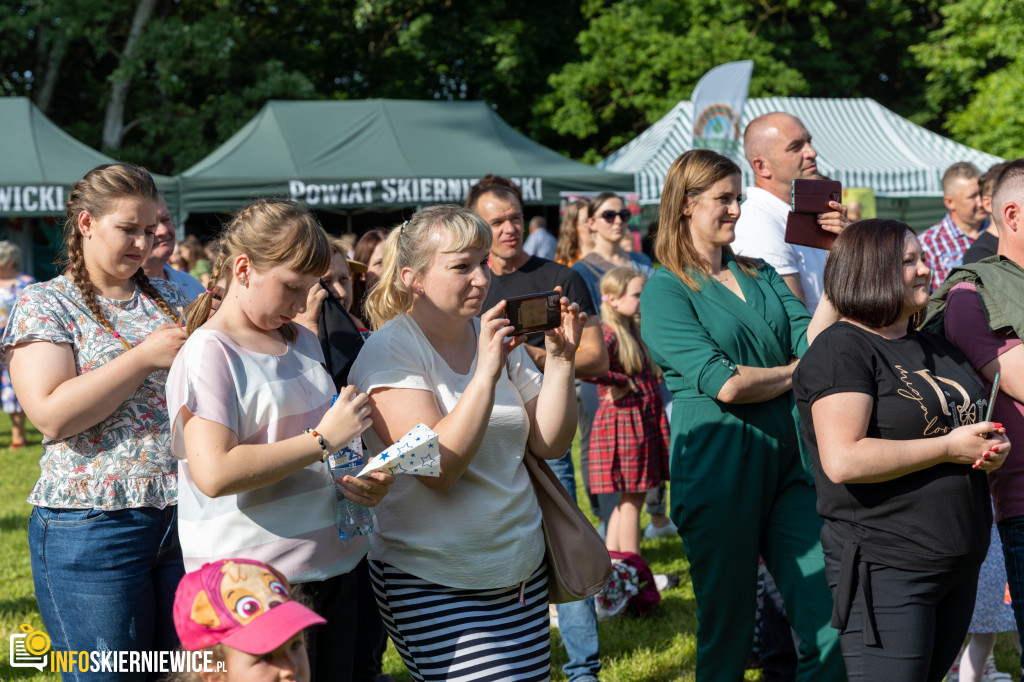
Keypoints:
(893, 418)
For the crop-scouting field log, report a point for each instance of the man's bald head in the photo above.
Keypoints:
(779, 150)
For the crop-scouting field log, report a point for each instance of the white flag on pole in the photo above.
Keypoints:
(718, 103)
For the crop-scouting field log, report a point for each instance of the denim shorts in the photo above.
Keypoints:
(105, 580)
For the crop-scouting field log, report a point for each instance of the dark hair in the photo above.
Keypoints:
(987, 181)
(596, 201)
(1009, 182)
(864, 272)
(493, 184)
(362, 252)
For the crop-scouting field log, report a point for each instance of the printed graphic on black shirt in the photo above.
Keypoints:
(954, 401)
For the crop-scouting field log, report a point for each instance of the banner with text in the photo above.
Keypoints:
(397, 191)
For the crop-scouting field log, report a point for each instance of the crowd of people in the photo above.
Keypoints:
(819, 423)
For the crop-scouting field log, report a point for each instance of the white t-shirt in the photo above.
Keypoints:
(263, 398)
(485, 532)
(761, 233)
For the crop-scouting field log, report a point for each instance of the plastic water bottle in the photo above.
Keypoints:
(353, 518)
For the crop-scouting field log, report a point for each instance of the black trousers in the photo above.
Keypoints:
(350, 646)
(921, 618)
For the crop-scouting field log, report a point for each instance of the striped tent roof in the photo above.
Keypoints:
(859, 142)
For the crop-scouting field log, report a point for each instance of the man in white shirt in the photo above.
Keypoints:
(155, 266)
(779, 150)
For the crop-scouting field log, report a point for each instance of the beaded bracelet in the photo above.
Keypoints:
(321, 441)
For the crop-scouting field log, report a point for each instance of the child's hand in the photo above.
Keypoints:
(347, 418)
(369, 490)
(310, 317)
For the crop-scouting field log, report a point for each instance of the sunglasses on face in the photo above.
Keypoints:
(609, 216)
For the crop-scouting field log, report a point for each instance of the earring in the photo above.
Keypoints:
(244, 282)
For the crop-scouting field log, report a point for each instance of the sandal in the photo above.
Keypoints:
(19, 444)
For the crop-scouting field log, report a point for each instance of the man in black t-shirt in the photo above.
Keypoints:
(513, 273)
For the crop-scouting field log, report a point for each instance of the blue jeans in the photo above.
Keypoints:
(1011, 533)
(105, 580)
(577, 621)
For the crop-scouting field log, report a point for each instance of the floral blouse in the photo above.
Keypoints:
(125, 460)
(9, 296)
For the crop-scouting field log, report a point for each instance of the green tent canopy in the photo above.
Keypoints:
(42, 162)
(380, 153)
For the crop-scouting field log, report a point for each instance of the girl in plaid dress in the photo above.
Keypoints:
(629, 440)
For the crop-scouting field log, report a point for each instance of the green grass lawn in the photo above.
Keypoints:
(659, 648)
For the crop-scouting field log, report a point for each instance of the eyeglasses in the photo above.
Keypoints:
(609, 216)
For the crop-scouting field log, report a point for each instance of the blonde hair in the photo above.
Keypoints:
(632, 351)
(97, 193)
(567, 251)
(10, 254)
(446, 228)
(270, 232)
(691, 174)
(338, 247)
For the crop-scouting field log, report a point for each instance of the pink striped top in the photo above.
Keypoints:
(264, 399)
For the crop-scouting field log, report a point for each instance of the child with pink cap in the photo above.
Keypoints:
(242, 611)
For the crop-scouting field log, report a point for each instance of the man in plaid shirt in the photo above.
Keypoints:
(946, 243)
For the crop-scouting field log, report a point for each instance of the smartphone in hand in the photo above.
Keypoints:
(534, 312)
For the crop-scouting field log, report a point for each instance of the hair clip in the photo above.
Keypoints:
(401, 228)
(606, 297)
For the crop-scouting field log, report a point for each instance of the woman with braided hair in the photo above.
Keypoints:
(88, 353)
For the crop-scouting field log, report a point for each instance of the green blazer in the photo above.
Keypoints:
(699, 337)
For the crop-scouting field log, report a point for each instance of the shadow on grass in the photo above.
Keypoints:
(13, 523)
(12, 608)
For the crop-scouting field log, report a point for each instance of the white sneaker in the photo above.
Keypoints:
(652, 532)
(665, 581)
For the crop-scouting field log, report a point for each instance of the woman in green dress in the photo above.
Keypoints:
(727, 332)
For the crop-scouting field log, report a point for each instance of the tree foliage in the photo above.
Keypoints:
(975, 69)
(582, 76)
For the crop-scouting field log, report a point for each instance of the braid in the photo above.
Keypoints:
(147, 288)
(80, 276)
(198, 312)
(97, 193)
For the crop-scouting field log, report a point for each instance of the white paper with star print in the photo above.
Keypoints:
(414, 453)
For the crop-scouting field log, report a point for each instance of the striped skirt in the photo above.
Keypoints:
(445, 633)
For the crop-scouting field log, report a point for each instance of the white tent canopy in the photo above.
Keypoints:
(859, 142)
